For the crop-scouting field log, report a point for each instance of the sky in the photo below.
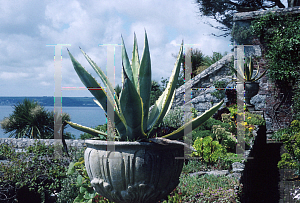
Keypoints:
(27, 27)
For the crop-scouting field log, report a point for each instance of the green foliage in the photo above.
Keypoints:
(102, 128)
(86, 191)
(227, 118)
(230, 158)
(216, 56)
(296, 101)
(225, 138)
(81, 184)
(254, 119)
(219, 94)
(207, 125)
(29, 119)
(206, 129)
(202, 133)
(242, 34)
(156, 91)
(292, 145)
(174, 118)
(209, 188)
(278, 134)
(208, 150)
(282, 35)
(39, 169)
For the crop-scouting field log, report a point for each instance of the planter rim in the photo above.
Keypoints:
(127, 143)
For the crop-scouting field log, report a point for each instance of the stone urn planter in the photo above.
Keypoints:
(136, 172)
(145, 169)
(251, 89)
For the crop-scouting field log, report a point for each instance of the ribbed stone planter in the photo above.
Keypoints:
(251, 89)
(136, 172)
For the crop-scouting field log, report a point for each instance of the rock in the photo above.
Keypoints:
(199, 173)
(201, 93)
(214, 172)
(218, 173)
(238, 167)
(259, 101)
(236, 175)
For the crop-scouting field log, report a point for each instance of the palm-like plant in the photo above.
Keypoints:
(29, 119)
(132, 118)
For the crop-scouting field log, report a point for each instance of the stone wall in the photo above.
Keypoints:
(202, 85)
(25, 142)
(273, 101)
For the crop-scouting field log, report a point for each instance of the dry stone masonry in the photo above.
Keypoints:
(22, 143)
(202, 85)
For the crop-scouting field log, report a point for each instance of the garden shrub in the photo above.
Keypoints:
(208, 150)
(38, 170)
(201, 134)
(225, 138)
(209, 188)
(86, 192)
(292, 145)
(174, 118)
(254, 119)
(207, 125)
(81, 185)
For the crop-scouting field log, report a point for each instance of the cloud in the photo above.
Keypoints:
(12, 75)
(28, 26)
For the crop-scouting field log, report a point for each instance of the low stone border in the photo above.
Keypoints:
(21, 143)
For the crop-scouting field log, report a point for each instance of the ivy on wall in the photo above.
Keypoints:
(281, 34)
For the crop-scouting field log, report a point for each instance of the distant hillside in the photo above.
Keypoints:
(49, 101)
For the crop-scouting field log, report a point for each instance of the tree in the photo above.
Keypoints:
(29, 119)
(222, 10)
(209, 60)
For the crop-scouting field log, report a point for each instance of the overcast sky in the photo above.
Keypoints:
(26, 27)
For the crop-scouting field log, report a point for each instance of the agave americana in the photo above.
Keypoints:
(132, 118)
(248, 67)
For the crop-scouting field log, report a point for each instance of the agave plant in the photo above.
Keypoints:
(132, 118)
(248, 71)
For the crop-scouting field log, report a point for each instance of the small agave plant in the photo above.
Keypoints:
(248, 71)
(132, 118)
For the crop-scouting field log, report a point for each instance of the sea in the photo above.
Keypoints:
(86, 116)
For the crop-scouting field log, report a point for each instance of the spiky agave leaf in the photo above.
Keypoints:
(196, 122)
(135, 65)
(132, 109)
(104, 78)
(86, 129)
(161, 106)
(145, 82)
(248, 69)
(99, 93)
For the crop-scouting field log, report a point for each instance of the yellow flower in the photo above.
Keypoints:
(245, 123)
(250, 129)
(249, 118)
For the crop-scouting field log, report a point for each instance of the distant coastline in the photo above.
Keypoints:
(49, 101)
